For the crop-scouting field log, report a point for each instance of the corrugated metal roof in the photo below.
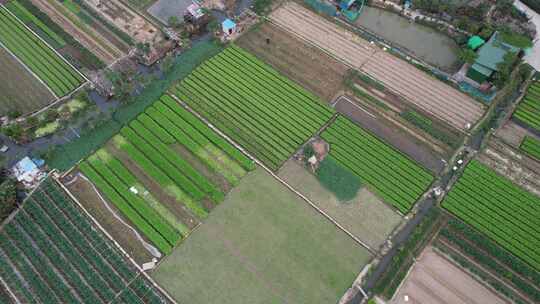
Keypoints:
(492, 53)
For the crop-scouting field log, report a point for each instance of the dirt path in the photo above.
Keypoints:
(107, 54)
(402, 78)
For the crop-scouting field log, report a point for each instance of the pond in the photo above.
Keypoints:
(426, 43)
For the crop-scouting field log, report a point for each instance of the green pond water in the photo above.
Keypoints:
(426, 43)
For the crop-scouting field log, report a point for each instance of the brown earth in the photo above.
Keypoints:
(392, 134)
(400, 77)
(512, 164)
(302, 62)
(512, 134)
(435, 280)
(86, 195)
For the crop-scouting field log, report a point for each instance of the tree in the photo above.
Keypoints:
(8, 198)
(173, 21)
(143, 48)
(212, 26)
(467, 55)
(504, 69)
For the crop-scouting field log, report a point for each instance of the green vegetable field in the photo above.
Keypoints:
(397, 179)
(531, 146)
(50, 252)
(150, 143)
(263, 111)
(528, 110)
(58, 75)
(505, 212)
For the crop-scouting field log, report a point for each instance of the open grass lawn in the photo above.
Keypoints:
(365, 216)
(20, 90)
(263, 244)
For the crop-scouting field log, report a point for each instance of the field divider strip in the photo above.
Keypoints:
(11, 294)
(141, 271)
(237, 146)
(46, 43)
(58, 100)
(28, 69)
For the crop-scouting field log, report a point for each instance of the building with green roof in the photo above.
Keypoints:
(489, 56)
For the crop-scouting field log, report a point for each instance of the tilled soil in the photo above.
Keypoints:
(392, 135)
(402, 78)
(302, 62)
(435, 280)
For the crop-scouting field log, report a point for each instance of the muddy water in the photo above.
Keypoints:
(426, 43)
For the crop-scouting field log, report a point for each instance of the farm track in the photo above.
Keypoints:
(418, 88)
(107, 54)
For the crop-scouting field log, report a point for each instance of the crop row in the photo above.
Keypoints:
(396, 178)
(502, 210)
(528, 110)
(531, 146)
(217, 140)
(46, 64)
(260, 109)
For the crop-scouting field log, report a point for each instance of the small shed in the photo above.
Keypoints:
(27, 171)
(228, 26)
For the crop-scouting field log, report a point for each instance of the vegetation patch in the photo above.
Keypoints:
(531, 146)
(338, 179)
(528, 110)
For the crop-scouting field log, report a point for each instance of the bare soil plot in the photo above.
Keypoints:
(512, 133)
(97, 39)
(302, 62)
(513, 164)
(392, 134)
(366, 217)
(418, 88)
(86, 195)
(19, 89)
(435, 280)
(263, 244)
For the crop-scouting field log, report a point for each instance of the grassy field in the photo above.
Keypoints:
(262, 245)
(20, 90)
(367, 217)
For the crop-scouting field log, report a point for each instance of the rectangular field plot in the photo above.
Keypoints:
(263, 111)
(172, 148)
(528, 110)
(262, 245)
(59, 76)
(397, 179)
(505, 212)
(50, 252)
(531, 146)
(19, 89)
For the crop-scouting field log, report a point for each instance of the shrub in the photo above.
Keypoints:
(338, 179)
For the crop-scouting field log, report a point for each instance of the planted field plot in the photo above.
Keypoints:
(262, 245)
(263, 111)
(531, 146)
(170, 146)
(20, 90)
(528, 110)
(397, 179)
(502, 210)
(402, 78)
(59, 76)
(50, 252)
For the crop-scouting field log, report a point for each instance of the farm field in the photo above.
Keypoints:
(402, 78)
(169, 146)
(505, 212)
(435, 280)
(366, 217)
(59, 76)
(305, 64)
(263, 244)
(91, 33)
(394, 177)
(528, 110)
(263, 111)
(21, 91)
(50, 252)
(531, 146)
